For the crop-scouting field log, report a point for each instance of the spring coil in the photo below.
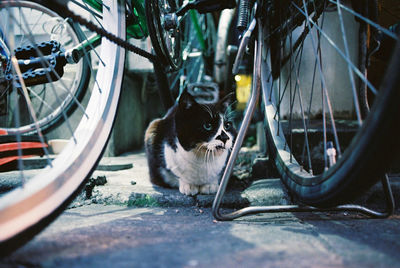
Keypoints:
(243, 14)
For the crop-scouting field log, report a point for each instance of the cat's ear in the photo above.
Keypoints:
(226, 102)
(186, 101)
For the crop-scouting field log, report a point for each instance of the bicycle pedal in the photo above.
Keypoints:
(204, 92)
(39, 64)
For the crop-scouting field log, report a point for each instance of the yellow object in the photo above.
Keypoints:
(243, 89)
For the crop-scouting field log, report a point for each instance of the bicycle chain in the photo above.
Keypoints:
(111, 37)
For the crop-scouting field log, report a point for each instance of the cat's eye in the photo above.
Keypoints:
(207, 126)
(227, 125)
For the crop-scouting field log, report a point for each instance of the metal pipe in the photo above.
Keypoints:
(251, 104)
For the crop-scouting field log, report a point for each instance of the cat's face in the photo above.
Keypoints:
(203, 128)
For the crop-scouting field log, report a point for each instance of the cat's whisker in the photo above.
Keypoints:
(205, 155)
(199, 148)
(229, 114)
(230, 106)
(171, 139)
(208, 157)
(207, 109)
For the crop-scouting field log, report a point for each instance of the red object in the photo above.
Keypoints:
(11, 150)
(23, 145)
(9, 159)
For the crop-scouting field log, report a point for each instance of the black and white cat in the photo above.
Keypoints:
(188, 147)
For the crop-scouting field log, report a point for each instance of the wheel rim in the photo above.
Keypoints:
(298, 164)
(50, 26)
(166, 42)
(47, 189)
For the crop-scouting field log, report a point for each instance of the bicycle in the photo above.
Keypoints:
(296, 84)
(67, 35)
(38, 196)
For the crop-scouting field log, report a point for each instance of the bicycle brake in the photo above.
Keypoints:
(243, 44)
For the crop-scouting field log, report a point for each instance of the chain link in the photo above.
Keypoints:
(111, 37)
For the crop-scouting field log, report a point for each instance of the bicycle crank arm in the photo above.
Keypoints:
(75, 54)
(242, 47)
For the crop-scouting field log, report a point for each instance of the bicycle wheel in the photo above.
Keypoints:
(164, 31)
(35, 197)
(48, 25)
(193, 48)
(198, 47)
(326, 153)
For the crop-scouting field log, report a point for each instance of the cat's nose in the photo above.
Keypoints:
(223, 137)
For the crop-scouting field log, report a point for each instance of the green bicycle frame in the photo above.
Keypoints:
(137, 26)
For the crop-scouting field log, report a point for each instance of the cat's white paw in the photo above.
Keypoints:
(188, 189)
(208, 189)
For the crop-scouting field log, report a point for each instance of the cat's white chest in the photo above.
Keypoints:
(193, 169)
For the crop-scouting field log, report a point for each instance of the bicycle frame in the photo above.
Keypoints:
(136, 28)
(136, 24)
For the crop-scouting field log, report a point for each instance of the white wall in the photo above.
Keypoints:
(333, 66)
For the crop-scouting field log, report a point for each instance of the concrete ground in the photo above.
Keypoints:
(121, 220)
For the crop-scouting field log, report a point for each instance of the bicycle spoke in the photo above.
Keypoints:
(288, 80)
(95, 17)
(323, 100)
(332, 43)
(27, 208)
(63, 85)
(17, 72)
(297, 90)
(45, 64)
(322, 172)
(304, 125)
(14, 62)
(347, 53)
(17, 117)
(324, 85)
(370, 22)
(87, 59)
(34, 30)
(86, 8)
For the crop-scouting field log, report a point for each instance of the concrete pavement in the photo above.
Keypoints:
(118, 236)
(127, 184)
(121, 220)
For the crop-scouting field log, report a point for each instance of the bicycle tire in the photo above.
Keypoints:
(25, 211)
(365, 159)
(49, 118)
